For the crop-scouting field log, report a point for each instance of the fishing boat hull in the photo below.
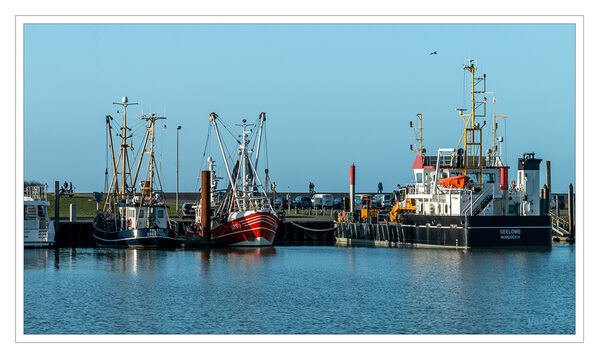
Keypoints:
(247, 229)
(138, 238)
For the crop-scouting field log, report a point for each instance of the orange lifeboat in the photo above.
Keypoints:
(454, 182)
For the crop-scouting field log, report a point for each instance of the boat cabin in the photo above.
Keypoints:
(140, 214)
(441, 186)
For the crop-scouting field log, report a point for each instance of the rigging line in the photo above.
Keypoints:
(139, 149)
(106, 146)
(205, 148)
(227, 128)
(266, 146)
(203, 161)
(254, 133)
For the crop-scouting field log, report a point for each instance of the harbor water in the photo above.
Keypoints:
(299, 290)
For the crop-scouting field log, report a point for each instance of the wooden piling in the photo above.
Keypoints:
(205, 204)
(571, 223)
(56, 206)
(548, 181)
(72, 213)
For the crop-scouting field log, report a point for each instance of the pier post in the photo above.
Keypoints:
(544, 200)
(72, 213)
(56, 206)
(352, 189)
(548, 179)
(205, 203)
(571, 210)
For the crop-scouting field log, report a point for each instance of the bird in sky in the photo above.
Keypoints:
(433, 53)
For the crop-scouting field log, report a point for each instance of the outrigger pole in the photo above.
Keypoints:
(213, 117)
(262, 120)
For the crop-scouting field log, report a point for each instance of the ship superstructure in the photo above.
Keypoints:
(466, 181)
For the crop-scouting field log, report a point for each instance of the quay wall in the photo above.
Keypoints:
(306, 231)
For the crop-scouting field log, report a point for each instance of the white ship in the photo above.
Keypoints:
(39, 230)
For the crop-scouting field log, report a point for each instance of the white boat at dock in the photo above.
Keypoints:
(38, 229)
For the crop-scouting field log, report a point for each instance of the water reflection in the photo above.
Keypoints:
(37, 258)
(135, 261)
(298, 290)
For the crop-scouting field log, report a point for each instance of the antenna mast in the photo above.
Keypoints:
(472, 133)
(420, 150)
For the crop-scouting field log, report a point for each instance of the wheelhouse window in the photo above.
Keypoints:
(418, 177)
(489, 177)
(30, 212)
(160, 213)
(141, 213)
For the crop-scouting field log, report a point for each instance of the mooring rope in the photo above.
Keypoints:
(310, 229)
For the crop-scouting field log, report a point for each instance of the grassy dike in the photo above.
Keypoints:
(86, 206)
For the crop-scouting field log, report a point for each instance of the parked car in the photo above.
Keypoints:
(281, 203)
(384, 200)
(188, 210)
(325, 200)
(302, 202)
(338, 203)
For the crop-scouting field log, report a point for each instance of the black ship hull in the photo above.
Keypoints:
(138, 238)
(455, 231)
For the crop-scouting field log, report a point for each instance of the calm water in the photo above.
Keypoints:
(294, 290)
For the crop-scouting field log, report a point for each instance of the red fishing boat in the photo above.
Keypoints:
(244, 216)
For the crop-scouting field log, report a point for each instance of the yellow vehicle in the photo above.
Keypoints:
(368, 207)
(402, 206)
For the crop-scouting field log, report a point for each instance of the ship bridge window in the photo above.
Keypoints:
(160, 213)
(41, 211)
(418, 177)
(30, 212)
(141, 213)
(488, 177)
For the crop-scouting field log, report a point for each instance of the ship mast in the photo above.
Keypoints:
(151, 119)
(245, 160)
(126, 183)
(120, 191)
(420, 150)
(472, 134)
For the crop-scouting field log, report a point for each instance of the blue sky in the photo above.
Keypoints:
(333, 95)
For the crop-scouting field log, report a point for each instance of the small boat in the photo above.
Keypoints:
(131, 219)
(244, 216)
(39, 230)
(456, 182)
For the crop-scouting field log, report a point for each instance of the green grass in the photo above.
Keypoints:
(86, 206)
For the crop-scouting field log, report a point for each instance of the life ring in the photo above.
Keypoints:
(129, 221)
(513, 184)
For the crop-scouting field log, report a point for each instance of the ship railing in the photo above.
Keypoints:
(37, 192)
(486, 190)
